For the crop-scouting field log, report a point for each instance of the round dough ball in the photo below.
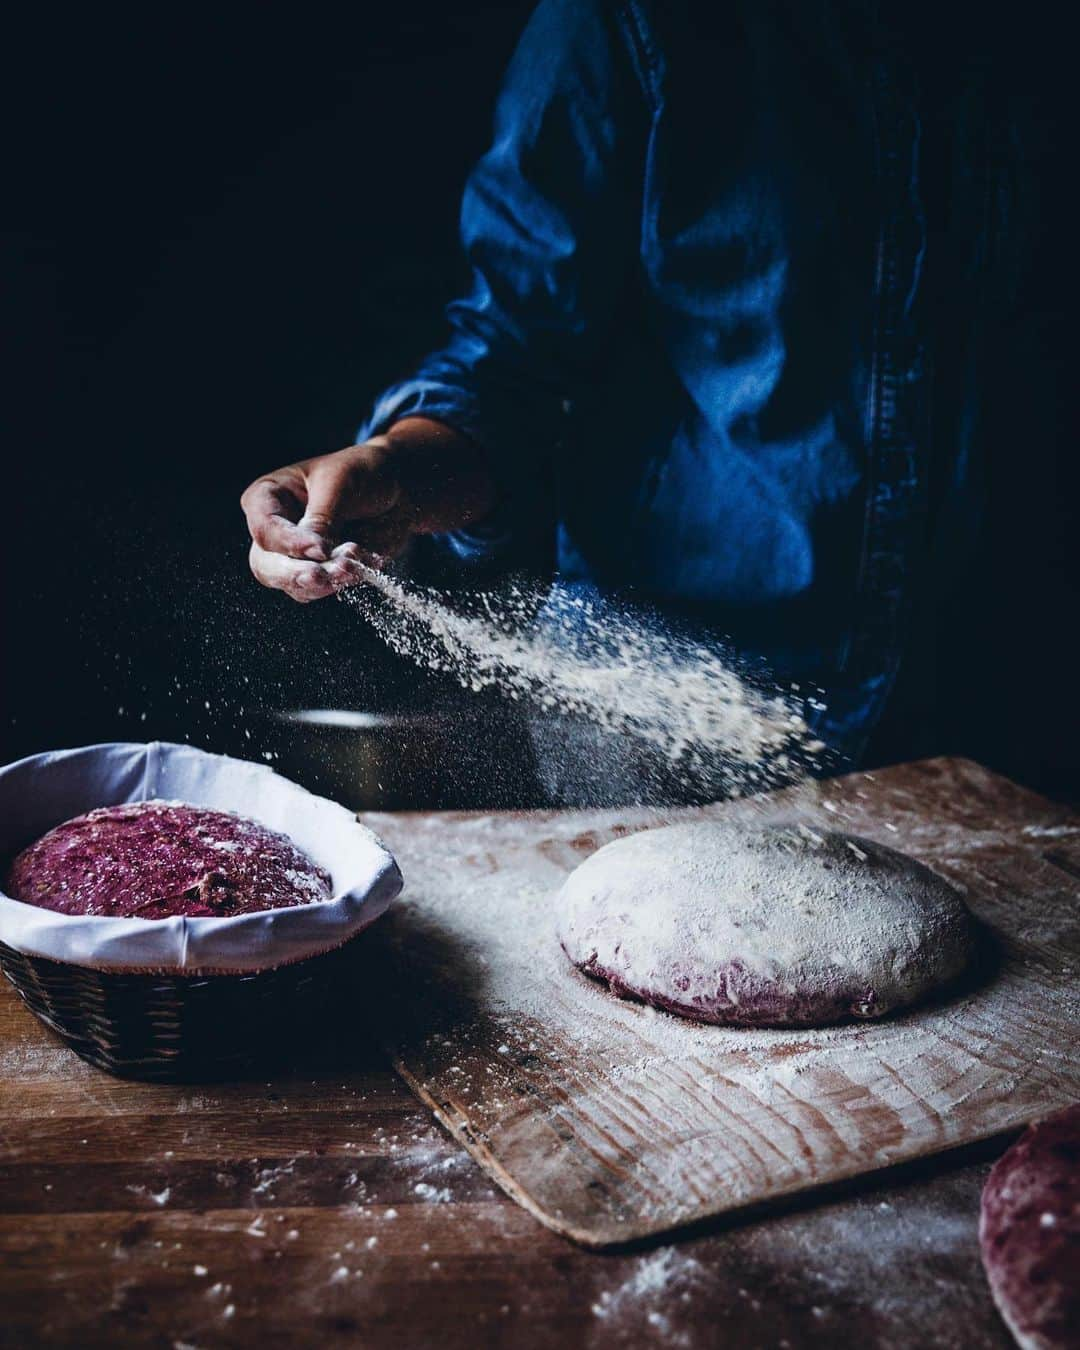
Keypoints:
(776, 926)
(156, 860)
(1029, 1233)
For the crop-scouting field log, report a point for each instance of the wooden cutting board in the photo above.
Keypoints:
(613, 1122)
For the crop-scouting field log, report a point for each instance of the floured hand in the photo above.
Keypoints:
(315, 525)
(304, 580)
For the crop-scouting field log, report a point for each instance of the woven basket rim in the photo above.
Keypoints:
(171, 972)
(366, 875)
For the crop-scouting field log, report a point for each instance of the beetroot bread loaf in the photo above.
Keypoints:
(1029, 1233)
(773, 926)
(156, 859)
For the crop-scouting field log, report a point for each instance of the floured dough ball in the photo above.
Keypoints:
(1029, 1234)
(156, 860)
(777, 926)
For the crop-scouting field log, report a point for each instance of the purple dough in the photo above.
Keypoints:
(1029, 1233)
(762, 926)
(153, 860)
(748, 999)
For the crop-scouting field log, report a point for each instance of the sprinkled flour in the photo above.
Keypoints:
(647, 1293)
(680, 698)
(470, 962)
(784, 926)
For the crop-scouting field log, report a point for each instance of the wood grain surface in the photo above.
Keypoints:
(611, 1122)
(322, 1206)
(318, 1203)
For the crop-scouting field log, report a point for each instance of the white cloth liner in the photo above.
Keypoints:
(43, 790)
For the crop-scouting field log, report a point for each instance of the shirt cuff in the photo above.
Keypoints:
(500, 534)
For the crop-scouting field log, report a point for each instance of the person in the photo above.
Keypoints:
(740, 273)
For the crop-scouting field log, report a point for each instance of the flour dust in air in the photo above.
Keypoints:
(603, 684)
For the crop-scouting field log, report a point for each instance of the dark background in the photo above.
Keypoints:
(230, 230)
(225, 232)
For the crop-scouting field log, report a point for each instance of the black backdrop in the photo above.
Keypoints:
(229, 230)
(224, 231)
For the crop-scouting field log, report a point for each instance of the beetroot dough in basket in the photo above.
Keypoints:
(156, 859)
(778, 926)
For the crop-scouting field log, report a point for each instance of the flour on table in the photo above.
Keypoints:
(473, 937)
(680, 1119)
(658, 1282)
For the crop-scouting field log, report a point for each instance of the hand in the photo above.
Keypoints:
(314, 525)
(295, 516)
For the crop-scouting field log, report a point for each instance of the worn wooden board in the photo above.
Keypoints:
(612, 1122)
(319, 1205)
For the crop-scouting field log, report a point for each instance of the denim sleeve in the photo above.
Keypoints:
(549, 223)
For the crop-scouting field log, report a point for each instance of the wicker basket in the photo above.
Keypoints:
(173, 1028)
(124, 993)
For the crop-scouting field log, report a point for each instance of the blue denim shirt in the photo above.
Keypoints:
(693, 347)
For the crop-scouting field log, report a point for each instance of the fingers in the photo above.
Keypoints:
(295, 517)
(273, 509)
(298, 512)
(303, 580)
(349, 564)
(350, 485)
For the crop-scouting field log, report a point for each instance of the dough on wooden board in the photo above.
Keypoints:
(774, 926)
(1029, 1233)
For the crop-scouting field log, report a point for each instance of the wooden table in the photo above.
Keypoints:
(321, 1205)
(614, 1125)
